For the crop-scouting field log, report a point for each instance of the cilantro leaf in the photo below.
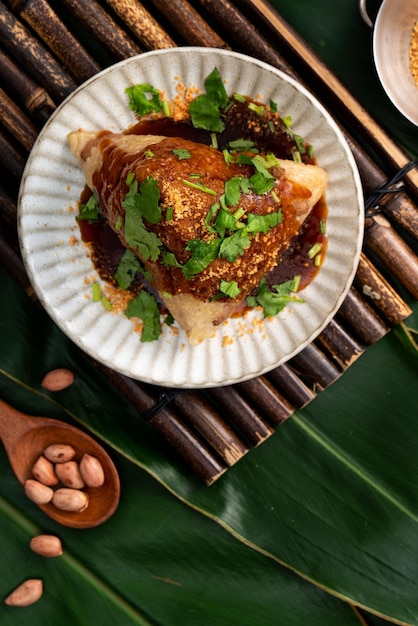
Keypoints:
(145, 306)
(224, 221)
(140, 103)
(139, 238)
(204, 113)
(169, 260)
(242, 145)
(140, 204)
(205, 109)
(128, 266)
(230, 288)
(215, 88)
(182, 154)
(146, 199)
(261, 184)
(263, 223)
(203, 253)
(90, 210)
(233, 191)
(275, 301)
(232, 247)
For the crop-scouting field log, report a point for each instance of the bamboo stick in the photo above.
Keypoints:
(7, 208)
(292, 387)
(392, 250)
(267, 399)
(187, 21)
(45, 22)
(16, 122)
(203, 463)
(379, 293)
(33, 56)
(201, 416)
(103, 28)
(35, 98)
(16, 158)
(142, 24)
(361, 318)
(339, 344)
(243, 417)
(314, 368)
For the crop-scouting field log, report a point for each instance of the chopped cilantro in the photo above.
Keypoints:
(233, 246)
(263, 223)
(139, 100)
(205, 109)
(146, 199)
(273, 302)
(241, 145)
(145, 306)
(128, 266)
(233, 191)
(200, 187)
(203, 253)
(90, 210)
(224, 221)
(313, 251)
(169, 259)
(96, 292)
(230, 288)
(140, 204)
(138, 237)
(260, 184)
(259, 109)
(182, 154)
(169, 320)
(239, 98)
(273, 106)
(210, 214)
(106, 303)
(214, 141)
(119, 223)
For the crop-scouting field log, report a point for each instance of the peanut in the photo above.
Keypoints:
(37, 492)
(69, 474)
(46, 545)
(92, 471)
(58, 379)
(72, 500)
(59, 453)
(44, 471)
(27, 593)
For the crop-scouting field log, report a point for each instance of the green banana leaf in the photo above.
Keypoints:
(156, 561)
(330, 496)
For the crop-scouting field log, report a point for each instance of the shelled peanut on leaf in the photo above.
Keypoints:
(59, 479)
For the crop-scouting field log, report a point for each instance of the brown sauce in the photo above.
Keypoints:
(240, 122)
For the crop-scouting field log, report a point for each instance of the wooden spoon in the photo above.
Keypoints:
(25, 438)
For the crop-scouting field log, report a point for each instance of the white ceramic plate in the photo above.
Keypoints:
(58, 264)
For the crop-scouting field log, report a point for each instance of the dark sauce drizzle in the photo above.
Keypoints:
(240, 122)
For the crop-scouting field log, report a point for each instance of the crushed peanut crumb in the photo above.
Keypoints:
(413, 53)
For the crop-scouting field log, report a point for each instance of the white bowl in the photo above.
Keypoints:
(58, 265)
(391, 40)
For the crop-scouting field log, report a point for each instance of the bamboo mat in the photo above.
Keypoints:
(47, 49)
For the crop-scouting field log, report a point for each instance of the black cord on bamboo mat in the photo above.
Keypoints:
(391, 185)
(164, 399)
